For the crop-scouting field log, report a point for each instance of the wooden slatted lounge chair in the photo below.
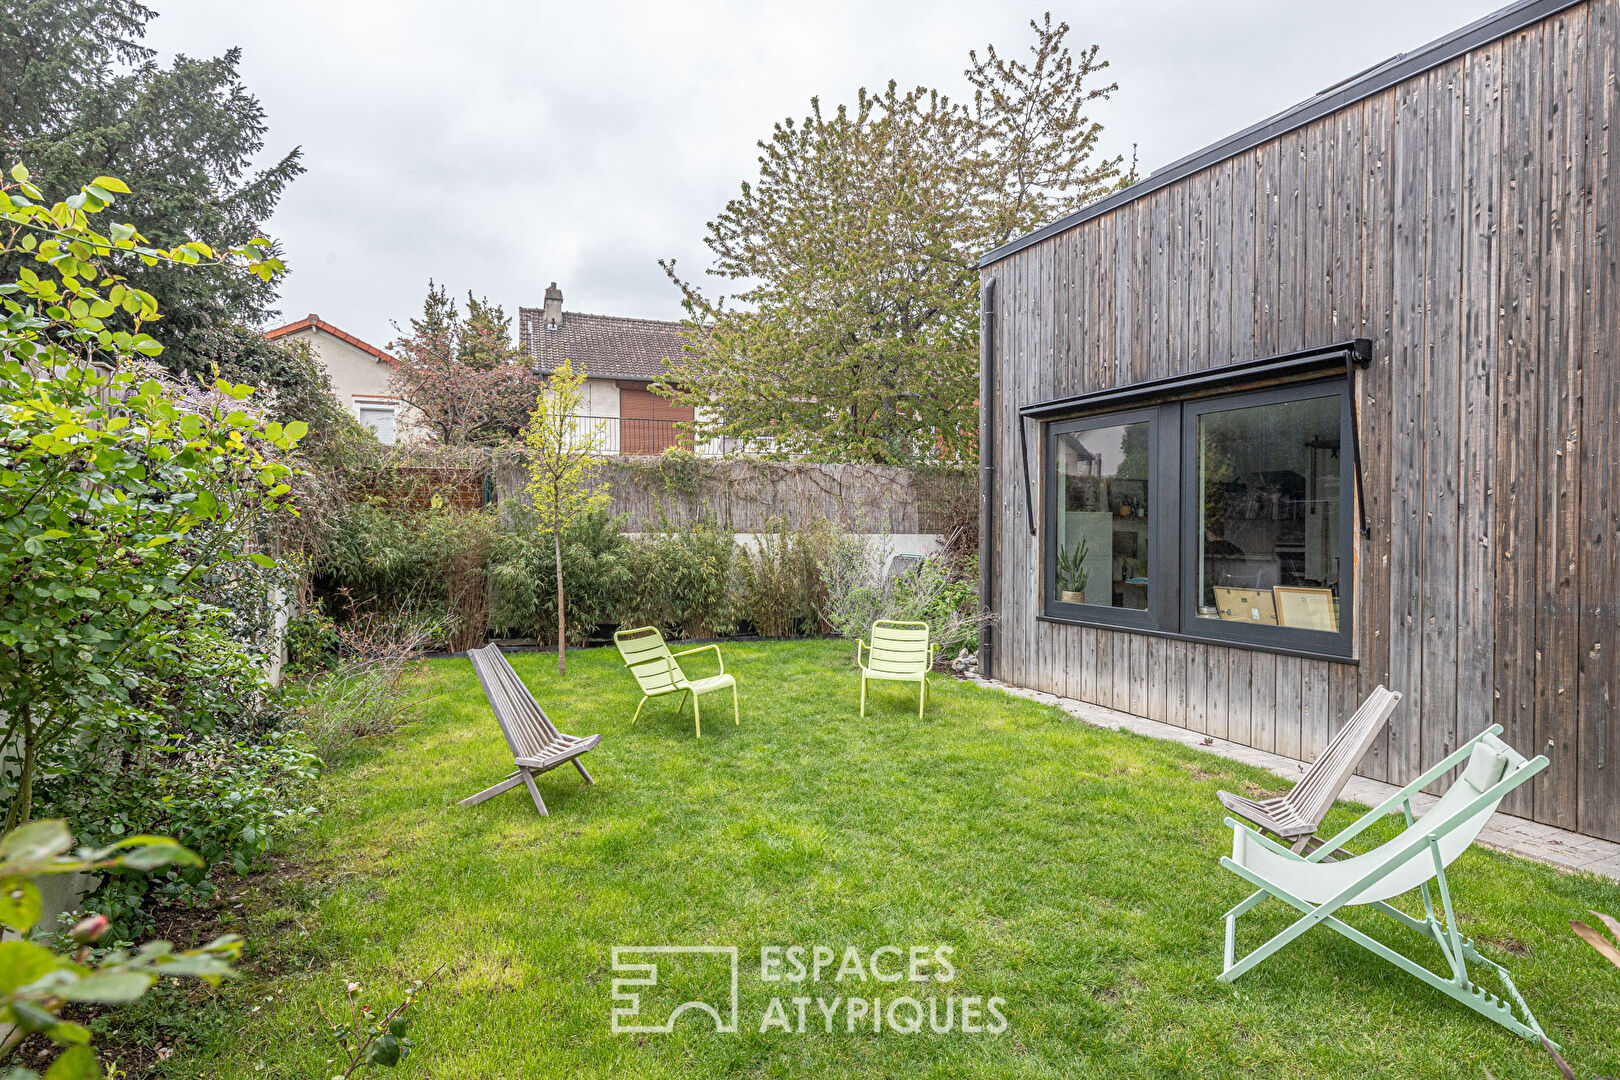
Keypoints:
(536, 744)
(1295, 817)
(1318, 888)
(899, 653)
(658, 672)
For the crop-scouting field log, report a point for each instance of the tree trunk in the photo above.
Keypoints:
(562, 624)
(22, 806)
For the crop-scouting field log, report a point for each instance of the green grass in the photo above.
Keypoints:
(1072, 871)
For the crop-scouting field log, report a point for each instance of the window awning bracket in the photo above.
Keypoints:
(1029, 491)
(1362, 355)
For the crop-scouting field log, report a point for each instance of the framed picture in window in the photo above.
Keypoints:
(1308, 609)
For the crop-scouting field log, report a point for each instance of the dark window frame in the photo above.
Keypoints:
(1165, 508)
(1340, 643)
(1173, 553)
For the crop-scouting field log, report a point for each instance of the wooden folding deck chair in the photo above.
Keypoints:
(536, 744)
(658, 673)
(1318, 889)
(899, 653)
(1295, 817)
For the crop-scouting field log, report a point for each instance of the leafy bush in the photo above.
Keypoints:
(312, 640)
(861, 590)
(38, 983)
(226, 798)
(119, 493)
(782, 591)
(683, 581)
(523, 573)
(434, 562)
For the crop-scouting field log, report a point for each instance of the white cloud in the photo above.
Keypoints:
(496, 146)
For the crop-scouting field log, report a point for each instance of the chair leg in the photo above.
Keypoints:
(490, 792)
(697, 716)
(863, 695)
(633, 719)
(534, 793)
(922, 696)
(736, 717)
(682, 706)
(581, 767)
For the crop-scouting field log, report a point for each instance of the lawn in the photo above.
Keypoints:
(1071, 871)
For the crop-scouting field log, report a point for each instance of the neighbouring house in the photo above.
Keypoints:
(623, 358)
(359, 371)
(1331, 403)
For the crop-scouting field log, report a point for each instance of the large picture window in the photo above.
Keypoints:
(1220, 518)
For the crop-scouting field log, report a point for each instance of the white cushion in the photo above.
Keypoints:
(1485, 767)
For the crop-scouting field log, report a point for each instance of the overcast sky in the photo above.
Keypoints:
(497, 145)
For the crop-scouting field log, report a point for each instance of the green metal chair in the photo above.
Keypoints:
(1318, 888)
(899, 652)
(658, 673)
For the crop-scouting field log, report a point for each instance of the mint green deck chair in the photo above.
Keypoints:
(658, 673)
(899, 652)
(1318, 888)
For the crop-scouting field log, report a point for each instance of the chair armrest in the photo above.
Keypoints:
(860, 643)
(705, 648)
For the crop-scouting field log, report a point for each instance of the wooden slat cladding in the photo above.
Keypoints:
(1464, 221)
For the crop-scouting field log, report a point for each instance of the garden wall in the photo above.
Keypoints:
(758, 496)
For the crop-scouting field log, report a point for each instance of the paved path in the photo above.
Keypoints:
(1533, 840)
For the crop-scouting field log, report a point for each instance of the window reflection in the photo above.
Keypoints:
(1269, 514)
(1102, 519)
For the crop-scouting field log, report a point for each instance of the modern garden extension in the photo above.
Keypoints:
(1330, 404)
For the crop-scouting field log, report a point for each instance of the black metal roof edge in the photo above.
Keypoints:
(1357, 349)
(1382, 76)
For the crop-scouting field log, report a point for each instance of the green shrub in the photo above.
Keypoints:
(861, 590)
(523, 573)
(683, 582)
(433, 562)
(781, 589)
(226, 797)
(312, 641)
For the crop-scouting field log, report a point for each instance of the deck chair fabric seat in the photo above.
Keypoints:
(1296, 816)
(536, 744)
(899, 652)
(1318, 887)
(658, 672)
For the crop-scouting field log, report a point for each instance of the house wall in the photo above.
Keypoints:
(600, 398)
(1463, 221)
(354, 372)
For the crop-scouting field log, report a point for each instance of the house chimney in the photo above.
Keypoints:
(553, 309)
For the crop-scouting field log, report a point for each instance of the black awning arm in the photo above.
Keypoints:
(1029, 491)
(1361, 355)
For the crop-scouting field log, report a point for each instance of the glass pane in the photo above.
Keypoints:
(1269, 514)
(1102, 516)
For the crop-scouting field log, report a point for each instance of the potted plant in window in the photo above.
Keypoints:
(1071, 572)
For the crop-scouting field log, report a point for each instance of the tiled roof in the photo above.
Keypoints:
(315, 322)
(606, 346)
